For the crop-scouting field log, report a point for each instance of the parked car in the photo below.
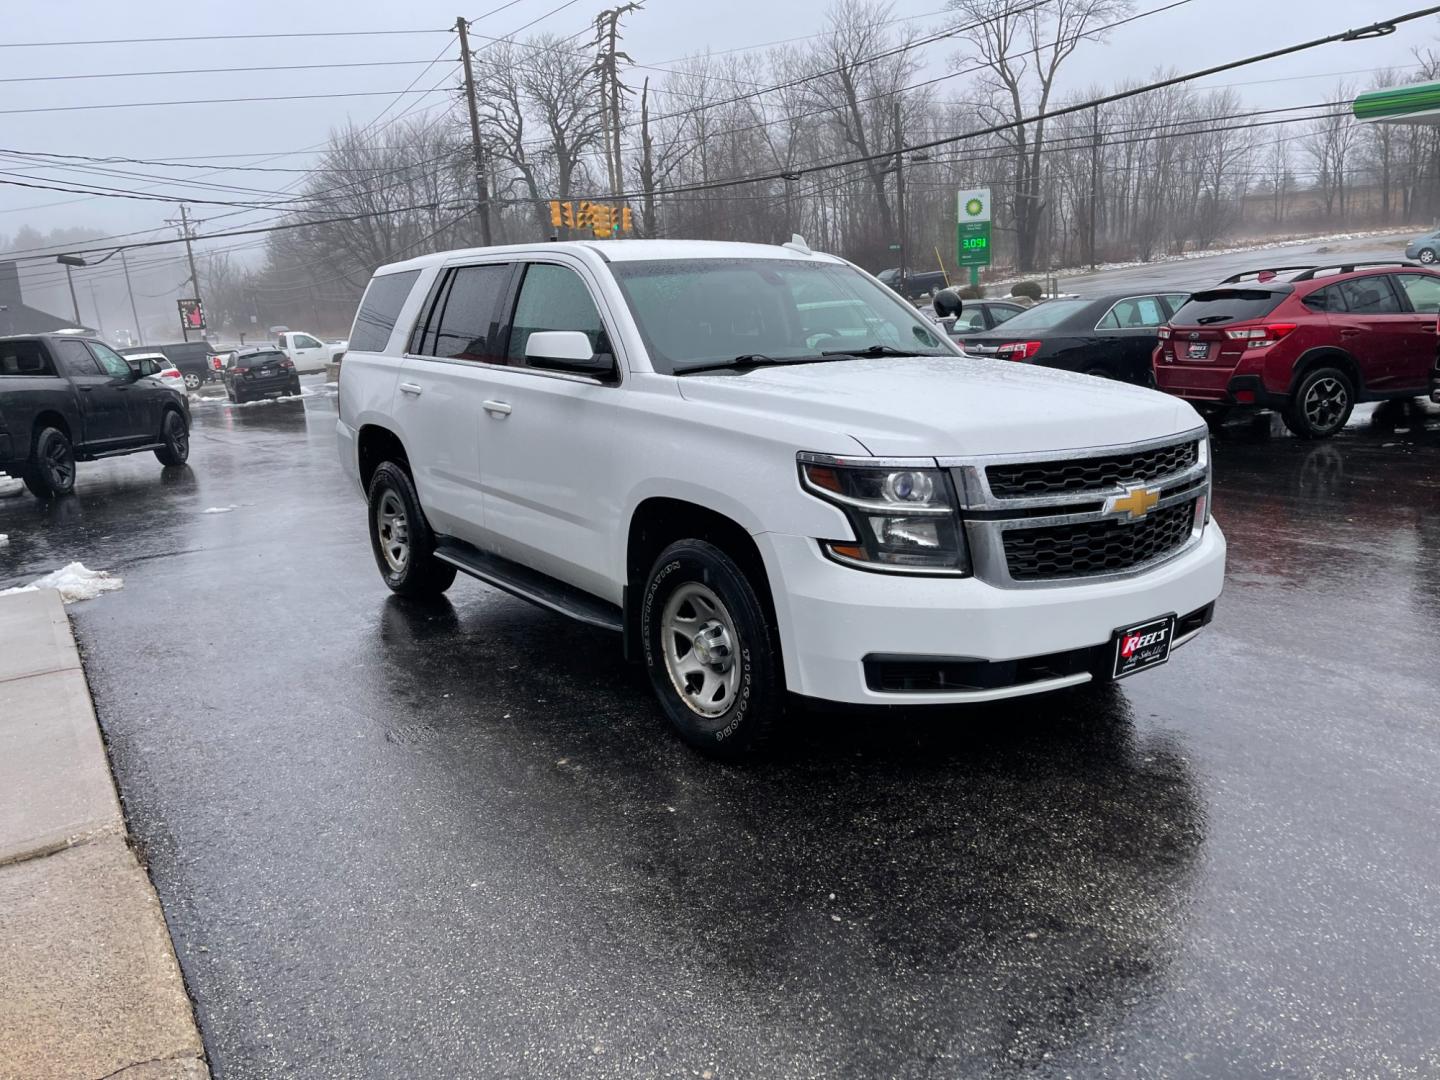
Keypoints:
(65, 398)
(647, 436)
(166, 373)
(1112, 336)
(1308, 342)
(1424, 248)
(307, 352)
(918, 284)
(195, 359)
(251, 374)
(978, 316)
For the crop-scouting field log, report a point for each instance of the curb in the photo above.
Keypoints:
(92, 987)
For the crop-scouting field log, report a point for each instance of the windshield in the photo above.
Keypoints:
(696, 313)
(1047, 315)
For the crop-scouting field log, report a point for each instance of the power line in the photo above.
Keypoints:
(210, 71)
(207, 101)
(217, 37)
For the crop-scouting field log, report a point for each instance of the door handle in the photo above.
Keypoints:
(413, 389)
(1429, 325)
(496, 408)
(1349, 333)
(86, 389)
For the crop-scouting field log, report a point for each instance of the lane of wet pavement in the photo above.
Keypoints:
(456, 840)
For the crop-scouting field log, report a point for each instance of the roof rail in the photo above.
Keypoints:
(1349, 267)
(1272, 270)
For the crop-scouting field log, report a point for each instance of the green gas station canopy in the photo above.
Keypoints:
(1418, 104)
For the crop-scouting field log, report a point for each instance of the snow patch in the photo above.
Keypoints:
(220, 509)
(74, 582)
(4, 539)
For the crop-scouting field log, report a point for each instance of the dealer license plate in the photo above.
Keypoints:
(1143, 646)
(1198, 352)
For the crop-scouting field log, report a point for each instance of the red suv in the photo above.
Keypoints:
(1306, 341)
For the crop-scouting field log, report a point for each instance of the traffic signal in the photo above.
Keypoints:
(599, 220)
(625, 222)
(555, 219)
(567, 215)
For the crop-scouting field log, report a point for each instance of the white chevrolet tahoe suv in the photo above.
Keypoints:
(770, 476)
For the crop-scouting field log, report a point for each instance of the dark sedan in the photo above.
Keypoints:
(1110, 336)
(251, 374)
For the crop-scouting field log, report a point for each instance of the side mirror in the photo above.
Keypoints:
(947, 303)
(567, 350)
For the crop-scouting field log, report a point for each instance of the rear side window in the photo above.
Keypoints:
(1133, 313)
(1227, 306)
(379, 310)
(465, 319)
(23, 358)
(1370, 296)
(1423, 291)
(75, 358)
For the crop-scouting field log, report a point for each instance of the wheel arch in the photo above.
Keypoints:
(376, 443)
(1326, 356)
(658, 521)
(46, 418)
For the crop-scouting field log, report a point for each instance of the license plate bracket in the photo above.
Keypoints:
(1197, 351)
(1142, 646)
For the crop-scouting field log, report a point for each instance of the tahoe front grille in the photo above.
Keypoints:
(1096, 547)
(1021, 480)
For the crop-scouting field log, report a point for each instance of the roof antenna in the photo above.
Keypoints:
(797, 243)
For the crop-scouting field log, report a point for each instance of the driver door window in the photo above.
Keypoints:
(553, 298)
(114, 365)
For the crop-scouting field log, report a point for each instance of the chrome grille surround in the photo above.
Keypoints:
(987, 517)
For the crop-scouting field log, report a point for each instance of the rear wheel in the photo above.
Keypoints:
(712, 655)
(175, 440)
(192, 381)
(51, 471)
(1427, 256)
(400, 537)
(1321, 404)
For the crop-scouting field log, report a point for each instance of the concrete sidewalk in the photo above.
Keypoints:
(89, 984)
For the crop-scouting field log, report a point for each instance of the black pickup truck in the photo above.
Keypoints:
(65, 399)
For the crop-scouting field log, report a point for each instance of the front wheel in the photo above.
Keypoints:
(1321, 405)
(192, 381)
(712, 655)
(1427, 256)
(400, 536)
(51, 471)
(174, 440)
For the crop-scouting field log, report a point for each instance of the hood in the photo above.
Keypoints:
(942, 407)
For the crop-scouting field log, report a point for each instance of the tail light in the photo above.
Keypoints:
(241, 370)
(1164, 333)
(1260, 336)
(214, 363)
(1018, 350)
(287, 364)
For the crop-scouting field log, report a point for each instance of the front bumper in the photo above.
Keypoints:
(833, 618)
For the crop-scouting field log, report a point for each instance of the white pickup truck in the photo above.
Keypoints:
(768, 474)
(307, 352)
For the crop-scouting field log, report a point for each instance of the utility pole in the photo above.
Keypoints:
(184, 226)
(95, 303)
(1094, 182)
(139, 332)
(900, 191)
(74, 300)
(482, 188)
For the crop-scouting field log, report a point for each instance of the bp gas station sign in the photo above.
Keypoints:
(972, 230)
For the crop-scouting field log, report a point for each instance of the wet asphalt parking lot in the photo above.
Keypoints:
(454, 841)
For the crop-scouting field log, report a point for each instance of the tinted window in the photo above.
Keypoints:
(971, 319)
(23, 358)
(1423, 291)
(554, 298)
(1133, 313)
(1001, 313)
(1325, 300)
(464, 321)
(113, 363)
(1370, 296)
(1227, 305)
(378, 311)
(75, 358)
(1049, 314)
(259, 359)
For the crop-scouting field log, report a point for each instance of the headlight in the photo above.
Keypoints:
(904, 516)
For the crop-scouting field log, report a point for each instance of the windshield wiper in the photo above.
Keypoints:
(1206, 320)
(749, 361)
(873, 350)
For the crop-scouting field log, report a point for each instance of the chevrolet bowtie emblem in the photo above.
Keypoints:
(1135, 503)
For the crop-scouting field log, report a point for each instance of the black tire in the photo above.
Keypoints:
(229, 393)
(1322, 402)
(1427, 256)
(753, 698)
(192, 381)
(404, 547)
(175, 437)
(51, 471)
(1100, 371)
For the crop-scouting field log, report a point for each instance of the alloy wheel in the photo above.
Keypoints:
(1325, 403)
(393, 529)
(700, 644)
(177, 435)
(192, 381)
(60, 463)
